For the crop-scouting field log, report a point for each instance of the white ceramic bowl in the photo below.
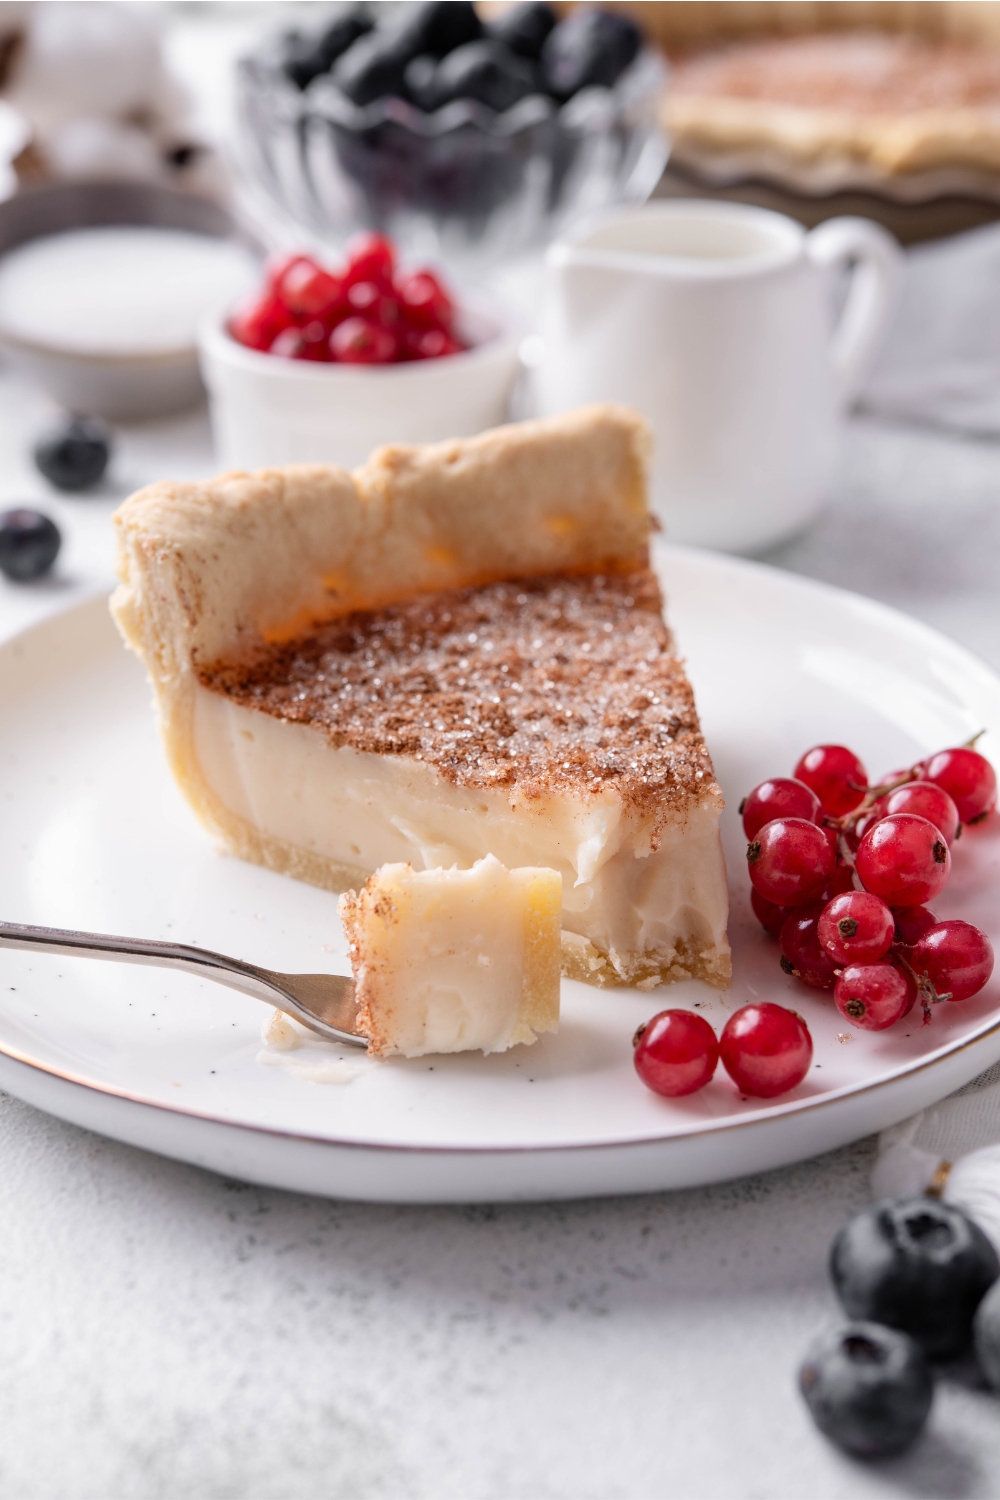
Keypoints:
(120, 386)
(268, 411)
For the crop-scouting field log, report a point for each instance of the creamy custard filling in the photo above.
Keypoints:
(359, 810)
(450, 960)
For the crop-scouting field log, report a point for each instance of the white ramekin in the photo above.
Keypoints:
(268, 411)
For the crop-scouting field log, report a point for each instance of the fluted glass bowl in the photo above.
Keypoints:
(465, 184)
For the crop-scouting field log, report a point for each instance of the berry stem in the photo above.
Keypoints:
(883, 789)
(844, 851)
(925, 987)
(848, 822)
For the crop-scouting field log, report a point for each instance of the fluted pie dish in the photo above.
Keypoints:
(452, 652)
(911, 115)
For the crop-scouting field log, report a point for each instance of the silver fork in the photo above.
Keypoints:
(323, 1002)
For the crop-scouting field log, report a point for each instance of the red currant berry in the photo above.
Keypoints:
(307, 290)
(675, 1053)
(832, 836)
(801, 952)
(370, 257)
(955, 956)
(363, 295)
(836, 776)
(968, 778)
(310, 342)
(316, 340)
(765, 1049)
(278, 267)
(904, 860)
(258, 325)
(429, 343)
(790, 861)
(927, 801)
(288, 344)
(780, 798)
(911, 924)
(912, 990)
(358, 342)
(873, 996)
(369, 300)
(423, 301)
(769, 916)
(843, 880)
(856, 928)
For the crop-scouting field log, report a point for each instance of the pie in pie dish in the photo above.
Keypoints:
(454, 651)
(890, 102)
(454, 960)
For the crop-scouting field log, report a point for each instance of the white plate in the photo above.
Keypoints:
(95, 836)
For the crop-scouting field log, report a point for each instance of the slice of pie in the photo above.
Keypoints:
(892, 103)
(454, 651)
(454, 960)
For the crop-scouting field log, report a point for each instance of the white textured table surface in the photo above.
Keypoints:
(166, 1333)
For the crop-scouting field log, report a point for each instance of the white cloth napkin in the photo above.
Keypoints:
(941, 359)
(954, 1146)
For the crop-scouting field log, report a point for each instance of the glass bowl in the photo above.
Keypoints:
(464, 185)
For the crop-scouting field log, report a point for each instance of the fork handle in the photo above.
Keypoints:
(229, 971)
(262, 984)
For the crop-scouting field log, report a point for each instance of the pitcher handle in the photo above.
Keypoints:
(875, 261)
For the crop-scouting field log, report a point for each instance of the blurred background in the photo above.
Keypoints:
(162, 165)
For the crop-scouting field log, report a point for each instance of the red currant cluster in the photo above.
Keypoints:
(842, 871)
(765, 1049)
(368, 313)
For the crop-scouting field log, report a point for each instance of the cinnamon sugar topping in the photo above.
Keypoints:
(533, 684)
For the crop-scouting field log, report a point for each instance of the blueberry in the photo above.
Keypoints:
(916, 1264)
(345, 27)
(591, 47)
(75, 456)
(372, 67)
(868, 1388)
(437, 27)
(396, 170)
(302, 62)
(183, 155)
(986, 1335)
(524, 28)
(305, 58)
(419, 77)
(29, 544)
(486, 71)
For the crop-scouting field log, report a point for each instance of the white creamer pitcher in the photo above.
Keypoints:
(715, 321)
